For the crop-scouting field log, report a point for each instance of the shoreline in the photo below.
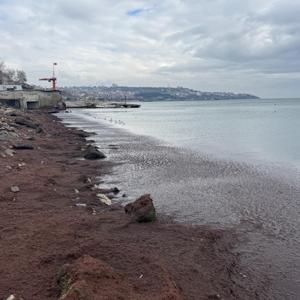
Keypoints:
(42, 229)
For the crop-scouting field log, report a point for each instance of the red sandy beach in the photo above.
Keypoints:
(52, 248)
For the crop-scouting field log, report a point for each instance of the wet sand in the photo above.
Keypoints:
(42, 229)
(260, 206)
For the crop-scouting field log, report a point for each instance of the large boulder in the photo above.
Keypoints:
(141, 210)
(93, 153)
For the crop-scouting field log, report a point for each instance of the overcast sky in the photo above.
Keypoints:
(215, 45)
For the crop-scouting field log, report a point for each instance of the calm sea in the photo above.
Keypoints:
(231, 164)
(246, 130)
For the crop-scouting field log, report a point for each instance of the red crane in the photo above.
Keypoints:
(52, 79)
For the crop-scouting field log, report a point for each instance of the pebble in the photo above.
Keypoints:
(9, 152)
(15, 189)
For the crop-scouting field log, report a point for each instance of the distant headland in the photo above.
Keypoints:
(121, 93)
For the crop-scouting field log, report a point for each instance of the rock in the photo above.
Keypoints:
(12, 114)
(14, 297)
(104, 199)
(9, 152)
(116, 206)
(23, 146)
(81, 205)
(39, 129)
(15, 189)
(26, 122)
(93, 153)
(83, 134)
(142, 210)
(214, 296)
(114, 190)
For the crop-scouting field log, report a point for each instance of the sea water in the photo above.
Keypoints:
(265, 130)
(232, 164)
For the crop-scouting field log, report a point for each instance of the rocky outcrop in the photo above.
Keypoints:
(142, 210)
(93, 153)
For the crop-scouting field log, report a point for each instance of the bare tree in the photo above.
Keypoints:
(20, 77)
(10, 76)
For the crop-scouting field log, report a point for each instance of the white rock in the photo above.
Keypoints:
(15, 189)
(81, 204)
(104, 199)
(9, 152)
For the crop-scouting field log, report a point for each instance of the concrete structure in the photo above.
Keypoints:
(10, 87)
(30, 99)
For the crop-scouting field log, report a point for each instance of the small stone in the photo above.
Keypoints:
(80, 204)
(214, 296)
(15, 189)
(23, 146)
(9, 152)
(115, 190)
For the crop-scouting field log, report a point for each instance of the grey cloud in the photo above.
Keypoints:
(177, 41)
